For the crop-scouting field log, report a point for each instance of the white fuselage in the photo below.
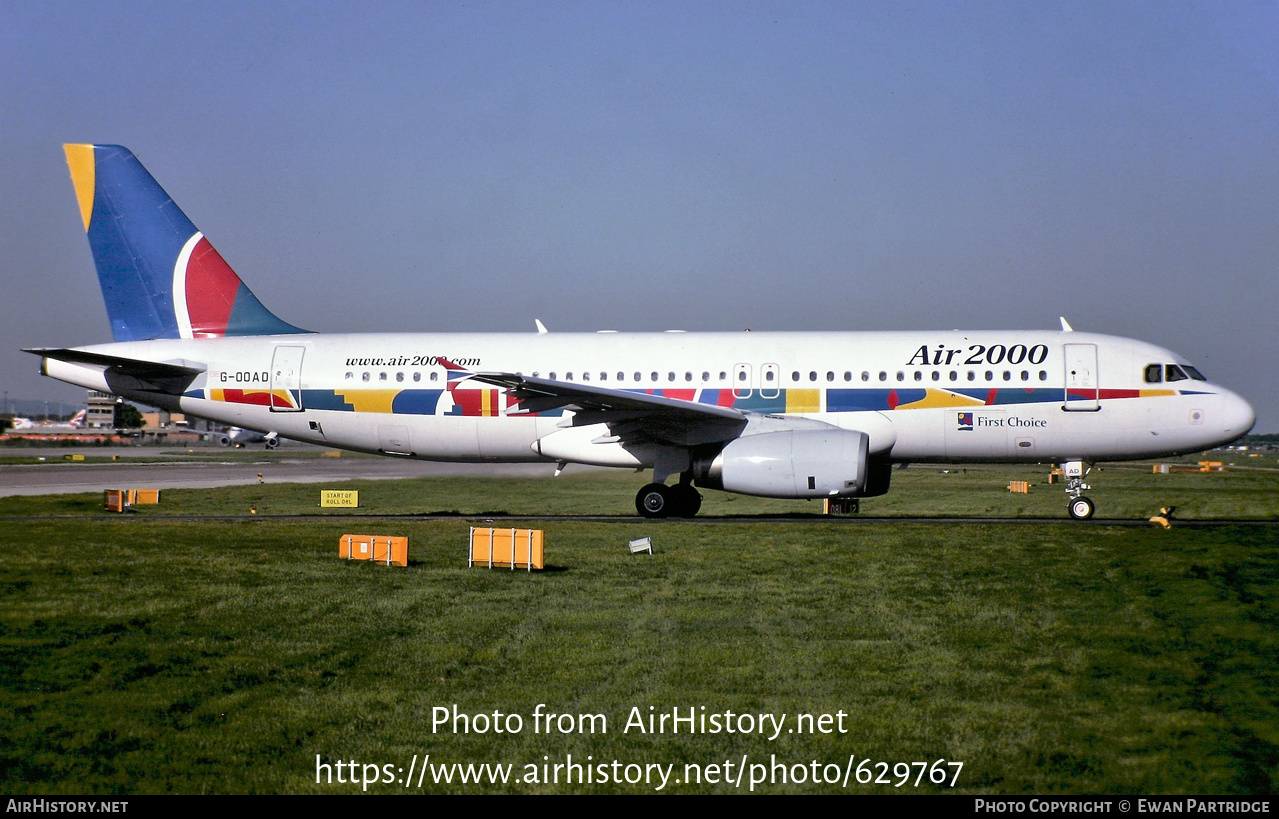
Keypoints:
(1029, 396)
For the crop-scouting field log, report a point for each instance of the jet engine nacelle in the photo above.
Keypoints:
(794, 463)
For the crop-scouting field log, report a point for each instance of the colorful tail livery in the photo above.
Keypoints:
(160, 277)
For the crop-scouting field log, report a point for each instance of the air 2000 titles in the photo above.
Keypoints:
(979, 354)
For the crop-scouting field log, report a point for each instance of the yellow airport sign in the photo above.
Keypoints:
(345, 498)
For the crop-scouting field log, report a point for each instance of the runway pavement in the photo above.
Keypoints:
(62, 477)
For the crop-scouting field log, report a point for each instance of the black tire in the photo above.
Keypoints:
(1081, 508)
(654, 501)
(685, 500)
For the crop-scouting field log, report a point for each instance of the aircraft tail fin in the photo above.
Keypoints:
(160, 277)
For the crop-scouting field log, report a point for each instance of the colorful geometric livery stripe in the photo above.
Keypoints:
(483, 403)
(160, 278)
(490, 402)
(258, 398)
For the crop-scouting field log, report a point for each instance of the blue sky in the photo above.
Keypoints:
(699, 165)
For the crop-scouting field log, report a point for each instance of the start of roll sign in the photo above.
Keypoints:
(340, 497)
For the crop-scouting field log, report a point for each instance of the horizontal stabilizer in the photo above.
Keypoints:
(154, 376)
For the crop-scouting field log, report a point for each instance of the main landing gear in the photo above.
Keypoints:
(660, 501)
(1080, 507)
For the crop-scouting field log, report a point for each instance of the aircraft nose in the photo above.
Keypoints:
(1237, 414)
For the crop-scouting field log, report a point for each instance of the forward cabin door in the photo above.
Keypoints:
(286, 379)
(1081, 378)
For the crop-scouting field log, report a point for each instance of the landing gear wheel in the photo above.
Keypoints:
(654, 501)
(685, 500)
(1081, 508)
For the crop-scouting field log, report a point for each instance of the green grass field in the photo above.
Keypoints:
(144, 653)
(1123, 491)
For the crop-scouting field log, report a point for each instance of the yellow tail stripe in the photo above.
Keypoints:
(83, 176)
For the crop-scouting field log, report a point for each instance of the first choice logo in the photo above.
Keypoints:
(977, 354)
(968, 421)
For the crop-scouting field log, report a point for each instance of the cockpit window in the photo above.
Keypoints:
(1174, 373)
(1154, 373)
(1195, 374)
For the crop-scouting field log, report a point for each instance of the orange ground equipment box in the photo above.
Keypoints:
(393, 551)
(117, 500)
(506, 548)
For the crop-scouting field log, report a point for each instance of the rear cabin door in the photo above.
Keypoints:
(1081, 378)
(286, 379)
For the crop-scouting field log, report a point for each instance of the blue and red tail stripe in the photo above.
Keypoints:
(160, 277)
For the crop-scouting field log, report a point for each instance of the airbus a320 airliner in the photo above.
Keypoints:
(784, 415)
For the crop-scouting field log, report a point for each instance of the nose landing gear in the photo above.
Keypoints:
(1080, 507)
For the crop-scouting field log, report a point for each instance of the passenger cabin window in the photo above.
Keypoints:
(1154, 373)
(417, 376)
(794, 376)
(349, 376)
(768, 375)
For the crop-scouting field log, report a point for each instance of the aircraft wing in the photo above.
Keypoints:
(629, 414)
